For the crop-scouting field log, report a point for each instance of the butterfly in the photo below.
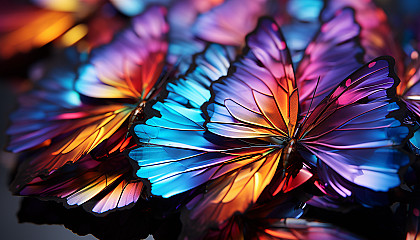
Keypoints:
(81, 119)
(243, 145)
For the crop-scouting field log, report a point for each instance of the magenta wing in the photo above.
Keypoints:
(333, 53)
(97, 181)
(229, 22)
(356, 132)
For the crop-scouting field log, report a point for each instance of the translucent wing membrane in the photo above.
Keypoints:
(334, 53)
(54, 96)
(247, 223)
(303, 229)
(87, 134)
(259, 98)
(175, 140)
(376, 36)
(353, 132)
(219, 25)
(130, 66)
(234, 191)
(409, 89)
(105, 182)
(70, 130)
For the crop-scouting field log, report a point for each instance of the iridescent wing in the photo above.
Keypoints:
(376, 36)
(53, 96)
(250, 222)
(100, 182)
(295, 229)
(83, 128)
(409, 89)
(334, 52)
(183, 44)
(259, 98)
(181, 155)
(229, 22)
(86, 134)
(130, 66)
(356, 132)
(176, 138)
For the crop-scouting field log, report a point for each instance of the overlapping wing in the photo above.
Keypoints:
(31, 123)
(409, 89)
(248, 223)
(105, 182)
(178, 154)
(295, 229)
(376, 36)
(88, 133)
(77, 130)
(229, 22)
(334, 52)
(175, 145)
(355, 131)
(259, 97)
(131, 64)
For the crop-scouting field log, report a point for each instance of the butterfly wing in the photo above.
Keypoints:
(53, 96)
(409, 89)
(335, 51)
(259, 98)
(83, 129)
(355, 132)
(376, 36)
(229, 22)
(250, 222)
(241, 168)
(104, 182)
(177, 154)
(290, 228)
(130, 66)
(175, 140)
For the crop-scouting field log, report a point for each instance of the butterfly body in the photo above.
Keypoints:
(137, 114)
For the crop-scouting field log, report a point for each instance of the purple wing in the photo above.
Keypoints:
(178, 154)
(355, 132)
(376, 35)
(131, 64)
(126, 68)
(229, 22)
(99, 182)
(259, 98)
(54, 95)
(334, 52)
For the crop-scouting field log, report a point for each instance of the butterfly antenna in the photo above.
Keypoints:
(310, 105)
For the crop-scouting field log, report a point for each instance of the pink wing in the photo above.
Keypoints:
(131, 64)
(376, 36)
(230, 22)
(355, 132)
(335, 52)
